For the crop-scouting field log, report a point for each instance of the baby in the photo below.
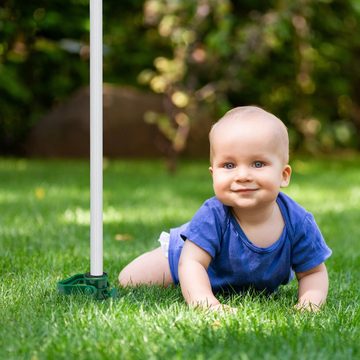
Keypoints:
(250, 235)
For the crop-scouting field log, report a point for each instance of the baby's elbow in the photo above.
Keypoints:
(182, 262)
(182, 265)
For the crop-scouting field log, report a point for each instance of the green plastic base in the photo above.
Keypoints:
(95, 286)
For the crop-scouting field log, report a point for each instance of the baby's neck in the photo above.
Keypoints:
(254, 217)
(262, 227)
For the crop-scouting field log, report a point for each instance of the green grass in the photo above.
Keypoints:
(44, 237)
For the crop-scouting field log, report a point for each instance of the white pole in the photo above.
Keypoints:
(96, 140)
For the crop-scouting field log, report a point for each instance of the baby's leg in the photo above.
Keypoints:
(151, 268)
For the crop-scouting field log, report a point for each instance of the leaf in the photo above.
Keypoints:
(40, 193)
(123, 237)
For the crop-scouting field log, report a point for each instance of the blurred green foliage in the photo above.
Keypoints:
(44, 56)
(298, 59)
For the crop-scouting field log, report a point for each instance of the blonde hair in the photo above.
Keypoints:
(242, 113)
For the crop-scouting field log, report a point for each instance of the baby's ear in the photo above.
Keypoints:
(286, 175)
(211, 170)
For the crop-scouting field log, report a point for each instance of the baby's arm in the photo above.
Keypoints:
(194, 280)
(313, 287)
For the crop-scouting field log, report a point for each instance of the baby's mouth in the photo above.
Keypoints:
(244, 190)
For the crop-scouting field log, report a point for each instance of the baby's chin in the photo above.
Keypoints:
(241, 203)
(248, 202)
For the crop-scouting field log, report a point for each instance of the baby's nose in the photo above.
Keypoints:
(243, 173)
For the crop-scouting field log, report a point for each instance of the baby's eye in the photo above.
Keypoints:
(229, 166)
(258, 164)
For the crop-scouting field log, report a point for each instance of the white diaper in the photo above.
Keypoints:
(164, 240)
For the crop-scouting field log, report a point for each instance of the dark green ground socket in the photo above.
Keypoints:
(96, 286)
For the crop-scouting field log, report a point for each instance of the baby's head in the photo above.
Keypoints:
(259, 127)
(249, 154)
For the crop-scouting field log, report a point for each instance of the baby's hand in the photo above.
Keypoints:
(311, 307)
(222, 308)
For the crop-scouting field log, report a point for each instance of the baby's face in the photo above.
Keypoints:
(249, 163)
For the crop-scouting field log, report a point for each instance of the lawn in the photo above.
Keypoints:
(44, 237)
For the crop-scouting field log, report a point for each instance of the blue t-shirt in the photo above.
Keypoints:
(237, 263)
